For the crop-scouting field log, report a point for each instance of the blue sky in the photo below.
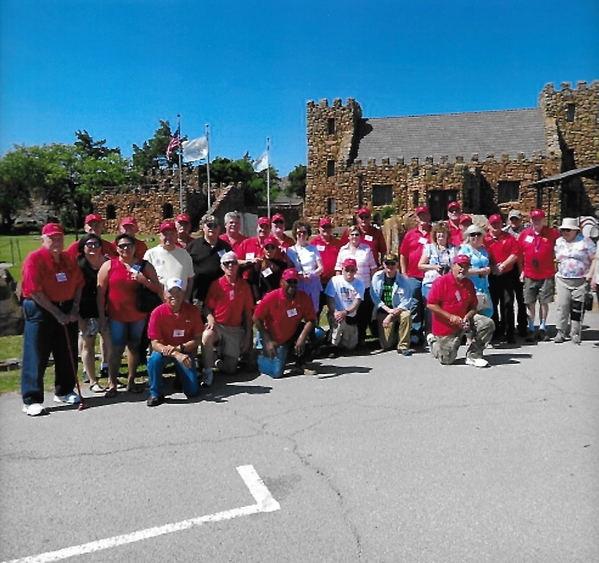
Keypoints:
(247, 68)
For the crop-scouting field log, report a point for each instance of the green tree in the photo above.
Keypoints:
(152, 154)
(297, 181)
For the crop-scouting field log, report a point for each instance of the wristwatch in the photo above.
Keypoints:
(182, 348)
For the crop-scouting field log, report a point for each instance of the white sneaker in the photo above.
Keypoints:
(70, 399)
(35, 409)
(477, 362)
(430, 338)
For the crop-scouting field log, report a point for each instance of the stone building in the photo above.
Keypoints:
(490, 161)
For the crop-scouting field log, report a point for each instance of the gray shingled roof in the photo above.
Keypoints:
(452, 134)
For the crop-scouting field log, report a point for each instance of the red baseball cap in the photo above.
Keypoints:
(462, 259)
(182, 218)
(290, 274)
(263, 221)
(349, 263)
(496, 218)
(454, 205)
(364, 211)
(51, 229)
(167, 225)
(422, 209)
(325, 222)
(128, 221)
(466, 219)
(93, 217)
(278, 217)
(537, 214)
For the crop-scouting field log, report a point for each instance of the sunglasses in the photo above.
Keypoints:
(292, 282)
(326, 226)
(228, 264)
(125, 245)
(302, 232)
(390, 263)
(270, 247)
(211, 225)
(364, 216)
(566, 230)
(475, 235)
(279, 222)
(355, 235)
(350, 270)
(92, 244)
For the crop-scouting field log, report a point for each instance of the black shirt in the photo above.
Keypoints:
(206, 264)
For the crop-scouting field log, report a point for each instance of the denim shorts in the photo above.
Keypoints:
(129, 334)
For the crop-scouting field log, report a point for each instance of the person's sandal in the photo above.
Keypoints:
(96, 388)
(111, 393)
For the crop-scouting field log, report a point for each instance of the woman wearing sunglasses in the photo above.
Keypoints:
(90, 260)
(117, 307)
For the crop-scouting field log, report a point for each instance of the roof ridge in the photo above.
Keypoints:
(453, 113)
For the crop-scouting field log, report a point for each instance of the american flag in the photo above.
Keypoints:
(173, 144)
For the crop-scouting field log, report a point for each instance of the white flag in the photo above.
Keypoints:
(196, 149)
(261, 163)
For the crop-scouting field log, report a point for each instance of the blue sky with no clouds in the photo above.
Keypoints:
(246, 68)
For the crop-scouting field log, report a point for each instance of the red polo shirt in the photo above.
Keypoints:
(251, 248)
(229, 301)
(501, 248)
(285, 241)
(58, 281)
(235, 243)
(184, 244)
(328, 254)
(281, 317)
(372, 237)
(537, 252)
(454, 297)
(456, 236)
(175, 329)
(411, 247)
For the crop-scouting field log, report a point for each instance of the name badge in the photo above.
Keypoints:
(529, 238)
(61, 277)
(178, 333)
(231, 295)
(292, 313)
(458, 295)
(249, 255)
(368, 238)
(320, 247)
(221, 252)
(266, 272)
(422, 240)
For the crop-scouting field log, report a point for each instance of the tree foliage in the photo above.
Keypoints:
(152, 154)
(297, 181)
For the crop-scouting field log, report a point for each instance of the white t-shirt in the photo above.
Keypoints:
(175, 263)
(344, 292)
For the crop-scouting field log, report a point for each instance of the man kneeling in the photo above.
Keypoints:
(175, 329)
(453, 302)
(285, 319)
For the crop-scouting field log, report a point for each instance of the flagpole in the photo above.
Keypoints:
(208, 164)
(268, 176)
(180, 148)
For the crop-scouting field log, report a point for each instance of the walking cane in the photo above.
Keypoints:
(66, 334)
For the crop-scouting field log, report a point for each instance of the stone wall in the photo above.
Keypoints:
(474, 181)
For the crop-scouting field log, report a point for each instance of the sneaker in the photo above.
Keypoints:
(218, 364)
(430, 338)
(34, 409)
(405, 352)
(155, 401)
(207, 378)
(70, 399)
(477, 362)
(309, 371)
(559, 337)
(542, 336)
(576, 338)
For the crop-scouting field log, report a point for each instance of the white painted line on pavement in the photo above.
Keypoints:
(264, 503)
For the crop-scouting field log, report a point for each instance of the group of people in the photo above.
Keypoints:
(453, 281)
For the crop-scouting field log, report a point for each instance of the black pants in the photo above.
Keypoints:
(502, 294)
(522, 319)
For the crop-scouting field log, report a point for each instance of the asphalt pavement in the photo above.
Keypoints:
(378, 458)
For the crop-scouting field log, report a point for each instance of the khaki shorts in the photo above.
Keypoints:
(230, 340)
(541, 290)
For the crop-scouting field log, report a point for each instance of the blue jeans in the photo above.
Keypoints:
(189, 377)
(44, 335)
(126, 333)
(417, 310)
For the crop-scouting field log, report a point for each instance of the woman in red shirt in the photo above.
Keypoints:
(117, 307)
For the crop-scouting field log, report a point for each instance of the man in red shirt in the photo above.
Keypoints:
(175, 330)
(52, 284)
(328, 247)
(183, 226)
(251, 251)
(232, 233)
(129, 226)
(537, 267)
(371, 236)
(454, 213)
(278, 231)
(410, 252)
(503, 256)
(285, 320)
(94, 224)
(452, 301)
(228, 308)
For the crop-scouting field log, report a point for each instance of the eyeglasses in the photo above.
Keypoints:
(292, 282)
(279, 222)
(566, 230)
(390, 263)
(302, 232)
(228, 264)
(125, 245)
(355, 234)
(350, 270)
(91, 244)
